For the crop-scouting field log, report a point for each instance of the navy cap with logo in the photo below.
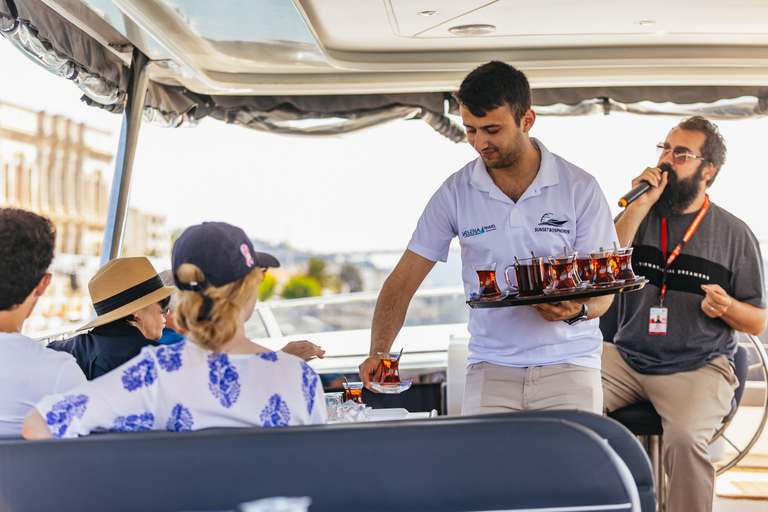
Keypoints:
(222, 251)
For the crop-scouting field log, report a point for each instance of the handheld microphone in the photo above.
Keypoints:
(640, 189)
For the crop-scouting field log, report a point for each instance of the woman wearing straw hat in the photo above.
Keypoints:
(216, 377)
(130, 301)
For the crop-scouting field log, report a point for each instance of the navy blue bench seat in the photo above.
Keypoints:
(463, 464)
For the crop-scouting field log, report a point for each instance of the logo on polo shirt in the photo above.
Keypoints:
(551, 224)
(478, 231)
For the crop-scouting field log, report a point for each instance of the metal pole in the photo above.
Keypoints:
(117, 213)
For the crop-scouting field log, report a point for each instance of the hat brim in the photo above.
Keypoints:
(128, 309)
(263, 259)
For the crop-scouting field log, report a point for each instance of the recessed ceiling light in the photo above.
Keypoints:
(645, 22)
(472, 30)
(429, 13)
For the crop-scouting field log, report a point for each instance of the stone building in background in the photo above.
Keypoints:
(56, 167)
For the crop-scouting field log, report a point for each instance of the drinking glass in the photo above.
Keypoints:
(623, 260)
(563, 272)
(602, 263)
(486, 274)
(354, 391)
(390, 363)
(530, 279)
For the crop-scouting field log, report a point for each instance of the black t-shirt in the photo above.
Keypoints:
(722, 251)
(105, 347)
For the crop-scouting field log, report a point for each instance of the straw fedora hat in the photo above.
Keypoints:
(122, 287)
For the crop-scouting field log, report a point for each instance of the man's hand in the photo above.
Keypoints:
(658, 180)
(633, 215)
(370, 370)
(564, 310)
(717, 302)
(304, 349)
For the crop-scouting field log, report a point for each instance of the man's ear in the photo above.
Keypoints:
(43, 284)
(528, 119)
(709, 171)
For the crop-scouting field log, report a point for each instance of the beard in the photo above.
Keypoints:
(679, 194)
(510, 155)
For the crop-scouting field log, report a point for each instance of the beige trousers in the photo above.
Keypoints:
(691, 406)
(491, 388)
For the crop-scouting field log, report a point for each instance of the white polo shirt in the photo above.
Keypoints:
(564, 206)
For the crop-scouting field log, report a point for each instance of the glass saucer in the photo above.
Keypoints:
(578, 288)
(606, 285)
(391, 388)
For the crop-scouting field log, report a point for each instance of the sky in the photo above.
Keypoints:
(362, 191)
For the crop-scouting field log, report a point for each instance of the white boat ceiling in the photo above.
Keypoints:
(237, 59)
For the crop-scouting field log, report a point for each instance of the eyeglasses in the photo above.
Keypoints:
(680, 155)
(165, 305)
(263, 270)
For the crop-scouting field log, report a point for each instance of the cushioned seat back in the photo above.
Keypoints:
(427, 465)
(623, 442)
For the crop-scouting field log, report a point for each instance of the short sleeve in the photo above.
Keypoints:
(748, 275)
(436, 228)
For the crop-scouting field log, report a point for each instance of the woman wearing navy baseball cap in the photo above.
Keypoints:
(216, 377)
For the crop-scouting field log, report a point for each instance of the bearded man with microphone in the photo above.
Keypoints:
(705, 282)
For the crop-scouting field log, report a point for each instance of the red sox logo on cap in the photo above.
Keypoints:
(247, 253)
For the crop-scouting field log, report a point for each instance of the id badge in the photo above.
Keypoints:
(658, 322)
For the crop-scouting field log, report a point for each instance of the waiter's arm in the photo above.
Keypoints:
(391, 307)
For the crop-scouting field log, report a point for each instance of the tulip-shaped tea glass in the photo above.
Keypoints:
(353, 391)
(602, 262)
(486, 274)
(584, 268)
(563, 272)
(623, 265)
(390, 362)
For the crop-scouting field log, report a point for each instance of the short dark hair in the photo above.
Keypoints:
(492, 85)
(714, 149)
(27, 242)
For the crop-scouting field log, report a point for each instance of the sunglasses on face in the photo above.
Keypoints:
(680, 155)
(165, 305)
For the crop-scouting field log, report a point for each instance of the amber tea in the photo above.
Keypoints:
(390, 362)
(602, 262)
(530, 278)
(354, 391)
(623, 265)
(486, 274)
(562, 272)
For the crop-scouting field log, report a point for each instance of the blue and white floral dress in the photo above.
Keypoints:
(185, 387)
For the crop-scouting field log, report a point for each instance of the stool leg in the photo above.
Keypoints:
(653, 447)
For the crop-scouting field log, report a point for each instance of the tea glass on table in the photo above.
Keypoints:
(332, 403)
(563, 271)
(486, 274)
(602, 267)
(623, 264)
(354, 392)
(390, 362)
(530, 279)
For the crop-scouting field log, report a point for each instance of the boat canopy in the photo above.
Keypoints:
(308, 67)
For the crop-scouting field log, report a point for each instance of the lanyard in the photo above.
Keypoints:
(678, 249)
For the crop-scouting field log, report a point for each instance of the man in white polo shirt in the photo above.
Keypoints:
(516, 198)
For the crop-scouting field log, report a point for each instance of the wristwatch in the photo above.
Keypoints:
(581, 316)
